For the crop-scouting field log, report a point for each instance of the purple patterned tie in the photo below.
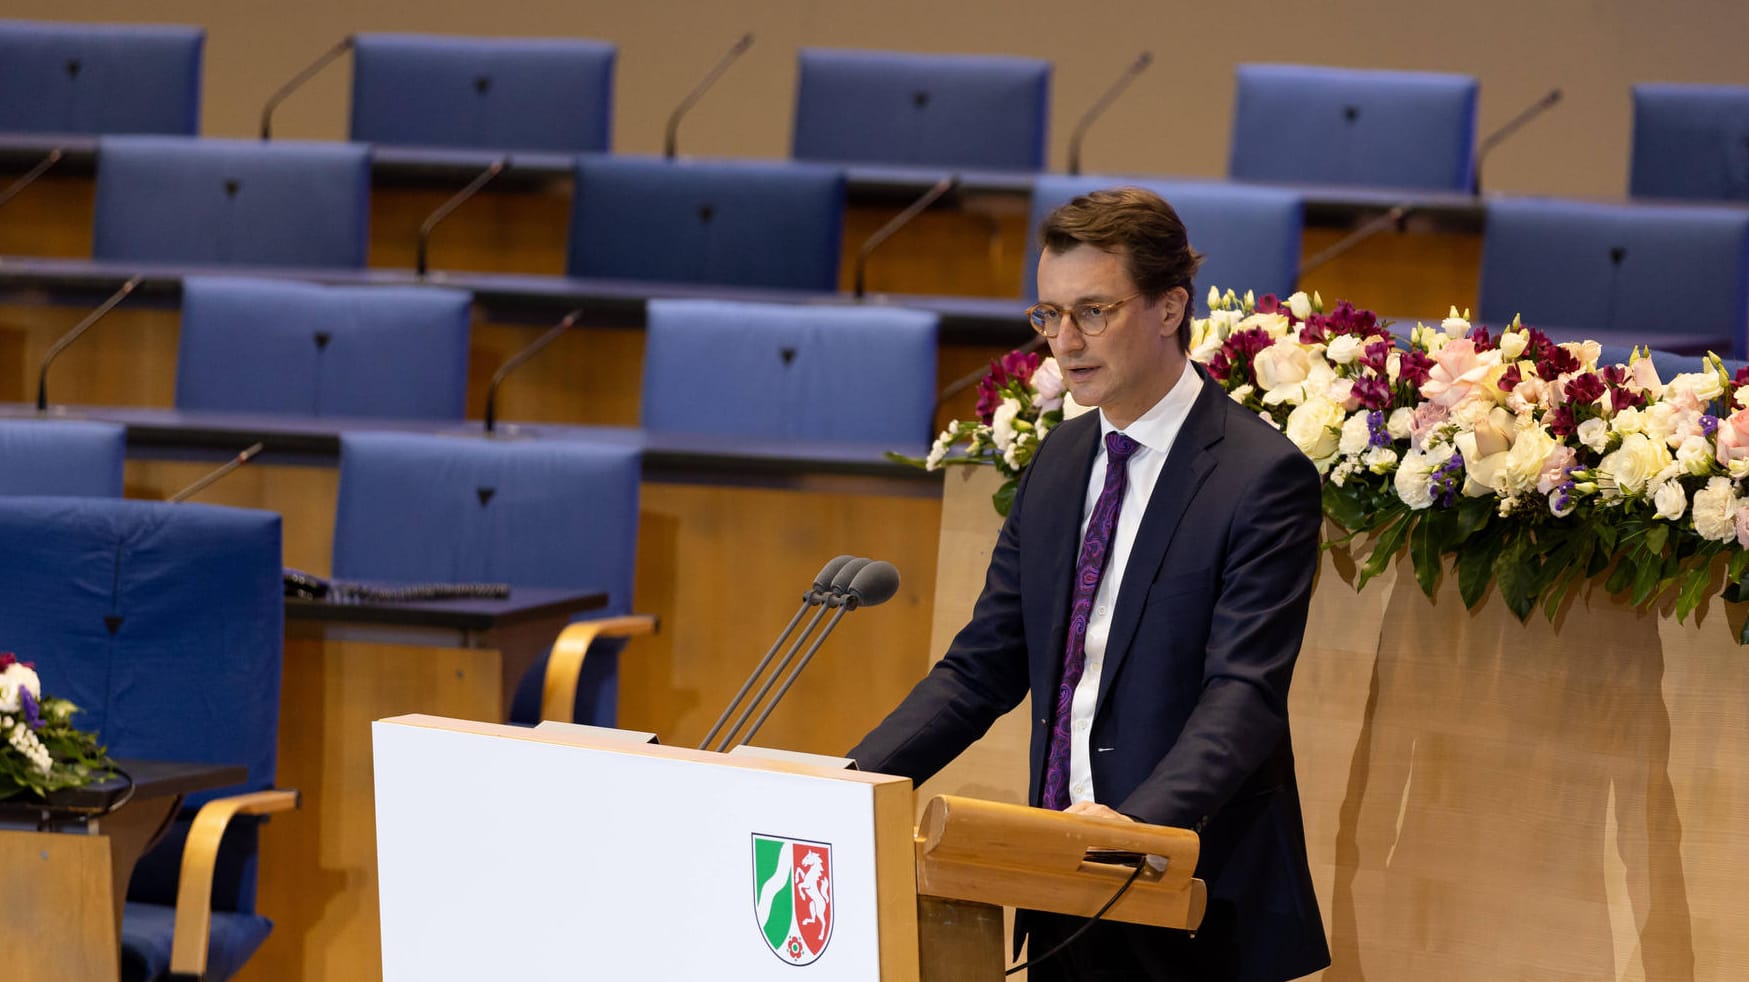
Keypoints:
(1095, 550)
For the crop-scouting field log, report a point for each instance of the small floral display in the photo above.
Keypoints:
(1507, 458)
(41, 752)
(1019, 401)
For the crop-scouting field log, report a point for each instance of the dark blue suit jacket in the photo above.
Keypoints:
(1191, 727)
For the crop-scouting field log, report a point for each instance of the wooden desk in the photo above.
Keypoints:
(69, 889)
(347, 665)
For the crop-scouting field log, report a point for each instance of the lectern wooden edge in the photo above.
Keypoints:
(952, 873)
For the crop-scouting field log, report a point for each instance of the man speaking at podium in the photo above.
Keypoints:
(1149, 588)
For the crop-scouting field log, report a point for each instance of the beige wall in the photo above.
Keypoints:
(1174, 121)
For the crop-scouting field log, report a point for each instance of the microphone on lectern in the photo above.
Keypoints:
(1103, 103)
(1513, 125)
(42, 376)
(455, 201)
(898, 222)
(298, 80)
(29, 177)
(516, 360)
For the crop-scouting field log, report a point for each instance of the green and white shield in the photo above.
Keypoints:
(792, 896)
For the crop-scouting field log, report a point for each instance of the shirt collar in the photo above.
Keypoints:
(1156, 428)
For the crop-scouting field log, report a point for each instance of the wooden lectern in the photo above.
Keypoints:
(574, 852)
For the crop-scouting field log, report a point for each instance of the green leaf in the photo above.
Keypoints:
(1560, 589)
(1473, 566)
(1424, 553)
(1386, 546)
(1622, 576)
(1003, 499)
(1472, 515)
(1515, 572)
(1694, 588)
(1606, 538)
(1648, 579)
(1344, 506)
(1656, 537)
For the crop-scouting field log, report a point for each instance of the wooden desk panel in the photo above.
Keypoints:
(51, 217)
(1413, 274)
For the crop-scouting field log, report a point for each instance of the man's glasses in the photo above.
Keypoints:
(1090, 317)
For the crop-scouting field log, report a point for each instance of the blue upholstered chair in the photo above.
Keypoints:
(184, 200)
(529, 94)
(1691, 141)
(1249, 236)
(1306, 124)
(551, 512)
(736, 223)
(99, 78)
(1673, 277)
(790, 371)
(66, 458)
(164, 623)
(281, 347)
(922, 110)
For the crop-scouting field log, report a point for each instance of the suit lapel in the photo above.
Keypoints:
(1187, 465)
(1056, 497)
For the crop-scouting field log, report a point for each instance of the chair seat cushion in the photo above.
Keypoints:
(147, 931)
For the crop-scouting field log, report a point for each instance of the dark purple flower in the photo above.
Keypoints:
(1268, 304)
(1584, 389)
(1014, 366)
(1563, 495)
(1414, 368)
(7, 660)
(1510, 378)
(1561, 422)
(1709, 424)
(1620, 396)
(1219, 367)
(1479, 336)
(1346, 318)
(1372, 392)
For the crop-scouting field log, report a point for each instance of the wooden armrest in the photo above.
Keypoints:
(194, 890)
(558, 694)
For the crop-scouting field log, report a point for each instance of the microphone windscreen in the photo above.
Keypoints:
(824, 578)
(875, 584)
(846, 574)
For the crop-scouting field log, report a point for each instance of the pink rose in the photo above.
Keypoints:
(1555, 468)
(1733, 437)
(1743, 527)
(1048, 380)
(1456, 370)
(1428, 416)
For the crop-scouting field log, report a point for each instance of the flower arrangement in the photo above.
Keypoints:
(41, 752)
(1511, 459)
(1019, 401)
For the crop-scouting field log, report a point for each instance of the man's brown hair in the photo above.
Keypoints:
(1155, 246)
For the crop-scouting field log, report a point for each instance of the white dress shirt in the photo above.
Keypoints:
(1154, 431)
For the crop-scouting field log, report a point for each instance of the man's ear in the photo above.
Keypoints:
(1175, 311)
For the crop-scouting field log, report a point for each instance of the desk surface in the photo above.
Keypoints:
(669, 457)
(152, 779)
(524, 604)
(867, 184)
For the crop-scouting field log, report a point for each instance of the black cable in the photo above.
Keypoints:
(1071, 939)
(357, 592)
(126, 796)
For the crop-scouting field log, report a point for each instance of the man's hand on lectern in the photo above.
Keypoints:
(1094, 809)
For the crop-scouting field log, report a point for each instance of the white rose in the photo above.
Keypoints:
(1414, 480)
(1671, 500)
(1594, 433)
(1400, 423)
(1456, 326)
(1274, 325)
(1315, 426)
(1205, 340)
(1002, 424)
(1379, 460)
(1281, 364)
(1703, 386)
(1627, 421)
(1512, 344)
(1695, 456)
(1632, 465)
(1344, 349)
(1658, 422)
(1715, 510)
(1300, 304)
(1356, 435)
(1587, 352)
(1243, 392)
(1394, 366)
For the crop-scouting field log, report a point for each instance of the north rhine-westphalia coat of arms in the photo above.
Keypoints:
(792, 896)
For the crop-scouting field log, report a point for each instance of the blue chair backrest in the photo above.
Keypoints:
(73, 459)
(922, 110)
(550, 512)
(790, 371)
(1305, 124)
(529, 94)
(1691, 141)
(184, 200)
(728, 223)
(281, 347)
(164, 624)
(1623, 271)
(1249, 236)
(99, 78)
